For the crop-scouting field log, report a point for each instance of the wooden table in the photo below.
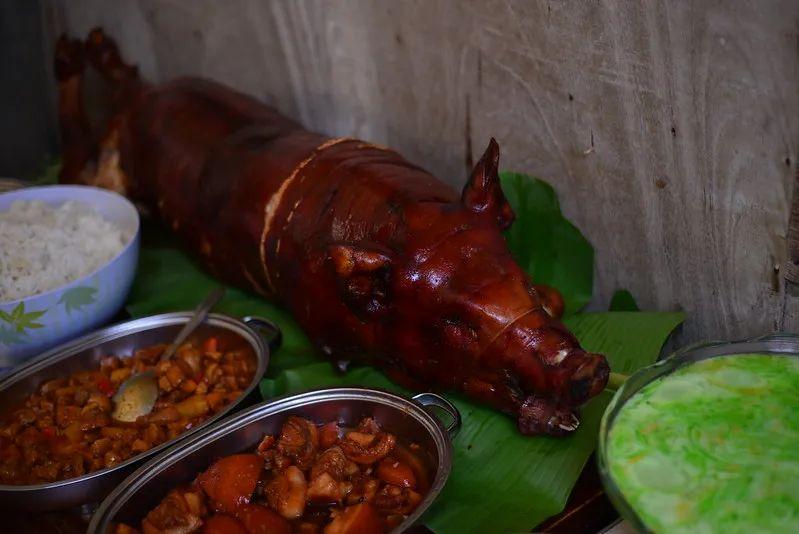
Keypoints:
(588, 508)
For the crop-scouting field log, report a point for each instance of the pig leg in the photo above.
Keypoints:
(109, 173)
(488, 389)
(103, 53)
(402, 378)
(84, 160)
(493, 390)
(542, 415)
(78, 148)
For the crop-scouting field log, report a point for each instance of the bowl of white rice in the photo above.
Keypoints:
(68, 256)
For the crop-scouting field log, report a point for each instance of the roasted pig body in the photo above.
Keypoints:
(379, 261)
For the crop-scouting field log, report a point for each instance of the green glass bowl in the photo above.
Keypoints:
(781, 344)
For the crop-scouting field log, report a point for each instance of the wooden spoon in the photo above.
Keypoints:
(137, 395)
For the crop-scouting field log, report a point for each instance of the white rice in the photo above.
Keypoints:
(43, 247)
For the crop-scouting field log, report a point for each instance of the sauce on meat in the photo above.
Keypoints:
(309, 479)
(65, 429)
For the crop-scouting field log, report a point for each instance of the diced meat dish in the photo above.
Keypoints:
(309, 479)
(65, 430)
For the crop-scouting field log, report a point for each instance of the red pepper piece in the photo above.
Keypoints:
(105, 386)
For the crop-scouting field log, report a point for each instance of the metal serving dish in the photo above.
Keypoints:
(407, 419)
(122, 340)
(778, 344)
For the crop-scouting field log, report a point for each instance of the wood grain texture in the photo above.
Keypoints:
(28, 128)
(669, 129)
(792, 261)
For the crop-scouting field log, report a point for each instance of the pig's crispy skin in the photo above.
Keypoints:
(377, 259)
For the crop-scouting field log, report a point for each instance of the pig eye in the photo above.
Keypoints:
(456, 322)
(453, 320)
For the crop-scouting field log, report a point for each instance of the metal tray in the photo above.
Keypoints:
(407, 419)
(85, 353)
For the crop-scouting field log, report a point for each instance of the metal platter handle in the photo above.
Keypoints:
(267, 329)
(431, 399)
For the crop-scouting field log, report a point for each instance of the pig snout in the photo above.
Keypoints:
(580, 376)
(547, 358)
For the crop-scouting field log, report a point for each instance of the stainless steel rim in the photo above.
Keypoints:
(431, 399)
(284, 404)
(269, 330)
(119, 330)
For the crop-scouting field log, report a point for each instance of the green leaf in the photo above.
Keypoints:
(22, 320)
(26, 320)
(33, 315)
(545, 244)
(47, 173)
(29, 325)
(623, 301)
(9, 336)
(77, 298)
(491, 488)
(168, 280)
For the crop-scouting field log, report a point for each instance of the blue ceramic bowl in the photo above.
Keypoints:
(31, 325)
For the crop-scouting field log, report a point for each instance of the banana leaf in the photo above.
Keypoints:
(546, 244)
(501, 481)
(623, 300)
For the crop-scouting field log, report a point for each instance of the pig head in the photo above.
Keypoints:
(426, 288)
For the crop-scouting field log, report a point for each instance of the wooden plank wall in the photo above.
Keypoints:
(669, 129)
(28, 124)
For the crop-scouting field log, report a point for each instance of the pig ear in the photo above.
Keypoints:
(363, 277)
(482, 194)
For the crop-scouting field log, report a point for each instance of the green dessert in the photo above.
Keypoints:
(712, 447)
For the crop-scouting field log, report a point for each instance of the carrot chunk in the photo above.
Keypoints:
(230, 481)
(223, 524)
(358, 519)
(262, 520)
(394, 472)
